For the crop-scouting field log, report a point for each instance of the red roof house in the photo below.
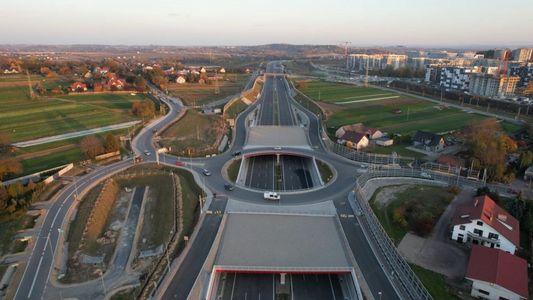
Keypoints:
(496, 274)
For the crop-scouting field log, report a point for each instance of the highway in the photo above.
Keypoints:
(35, 279)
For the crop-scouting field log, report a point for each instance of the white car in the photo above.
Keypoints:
(271, 196)
(425, 175)
(147, 153)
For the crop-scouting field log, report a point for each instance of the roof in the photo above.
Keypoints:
(371, 131)
(498, 267)
(262, 241)
(448, 159)
(353, 136)
(427, 138)
(485, 209)
(276, 136)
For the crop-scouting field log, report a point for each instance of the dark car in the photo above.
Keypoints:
(236, 153)
(229, 187)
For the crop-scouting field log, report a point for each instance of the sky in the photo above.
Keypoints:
(253, 22)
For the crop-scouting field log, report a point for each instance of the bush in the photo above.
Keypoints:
(454, 190)
(399, 217)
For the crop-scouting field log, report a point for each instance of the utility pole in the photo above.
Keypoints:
(366, 71)
(32, 96)
(217, 89)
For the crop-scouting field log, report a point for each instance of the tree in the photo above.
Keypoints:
(91, 146)
(139, 83)
(4, 197)
(5, 141)
(148, 109)
(490, 145)
(15, 190)
(136, 108)
(526, 160)
(111, 143)
(9, 165)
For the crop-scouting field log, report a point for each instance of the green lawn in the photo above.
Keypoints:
(434, 283)
(337, 92)
(52, 160)
(26, 119)
(404, 115)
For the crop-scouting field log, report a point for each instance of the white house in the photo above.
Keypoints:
(483, 222)
(354, 140)
(181, 80)
(374, 133)
(497, 275)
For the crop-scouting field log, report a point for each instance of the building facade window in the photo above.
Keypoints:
(479, 223)
(478, 232)
(493, 236)
(483, 292)
(462, 227)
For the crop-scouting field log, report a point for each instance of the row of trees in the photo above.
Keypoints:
(18, 196)
(93, 146)
(144, 109)
(490, 146)
(9, 165)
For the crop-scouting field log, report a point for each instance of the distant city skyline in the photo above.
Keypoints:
(415, 23)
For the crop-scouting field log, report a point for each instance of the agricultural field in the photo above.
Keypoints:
(339, 93)
(389, 112)
(196, 133)
(195, 94)
(26, 119)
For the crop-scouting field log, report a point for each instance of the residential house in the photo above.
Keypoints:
(78, 87)
(354, 140)
(373, 133)
(11, 71)
(483, 222)
(358, 127)
(115, 84)
(181, 80)
(428, 141)
(450, 160)
(497, 275)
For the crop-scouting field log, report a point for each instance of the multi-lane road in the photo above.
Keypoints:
(275, 97)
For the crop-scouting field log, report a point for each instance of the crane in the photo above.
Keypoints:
(345, 44)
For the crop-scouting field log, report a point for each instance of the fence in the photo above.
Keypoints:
(403, 278)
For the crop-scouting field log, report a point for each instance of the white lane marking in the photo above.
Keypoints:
(233, 287)
(34, 278)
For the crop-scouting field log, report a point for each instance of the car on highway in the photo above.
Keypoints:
(271, 196)
(425, 175)
(147, 153)
(277, 148)
(180, 163)
(206, 172)
(236, 153)
(229, 187)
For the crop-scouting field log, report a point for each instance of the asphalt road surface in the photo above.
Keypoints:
(183, 281)
(248, 286)
(261, 172)
(296, 173)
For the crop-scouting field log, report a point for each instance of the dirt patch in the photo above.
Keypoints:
(387, 194)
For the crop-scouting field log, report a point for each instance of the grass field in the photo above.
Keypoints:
(26, 119)
(159, 214)
(235, 109)
(337, 92)
(418, 195)
(199, 94)
(434, 283)
(194, 131)
(233, 170)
